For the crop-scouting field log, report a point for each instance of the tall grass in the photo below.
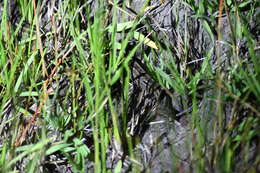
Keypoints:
(67, 83)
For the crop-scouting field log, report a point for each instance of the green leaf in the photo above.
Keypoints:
(237, 138)
(56, 148)
(28, 150)
(208, 29)
(3, 154)
(68, 133)
(244, 3)
(116, 76)
(24, 71)
(29, 94)
(118, 167)
(140, 37)
(121, 26)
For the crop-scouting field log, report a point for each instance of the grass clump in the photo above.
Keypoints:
(109, 86)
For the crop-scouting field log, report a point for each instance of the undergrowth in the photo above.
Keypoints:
(81, 82)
